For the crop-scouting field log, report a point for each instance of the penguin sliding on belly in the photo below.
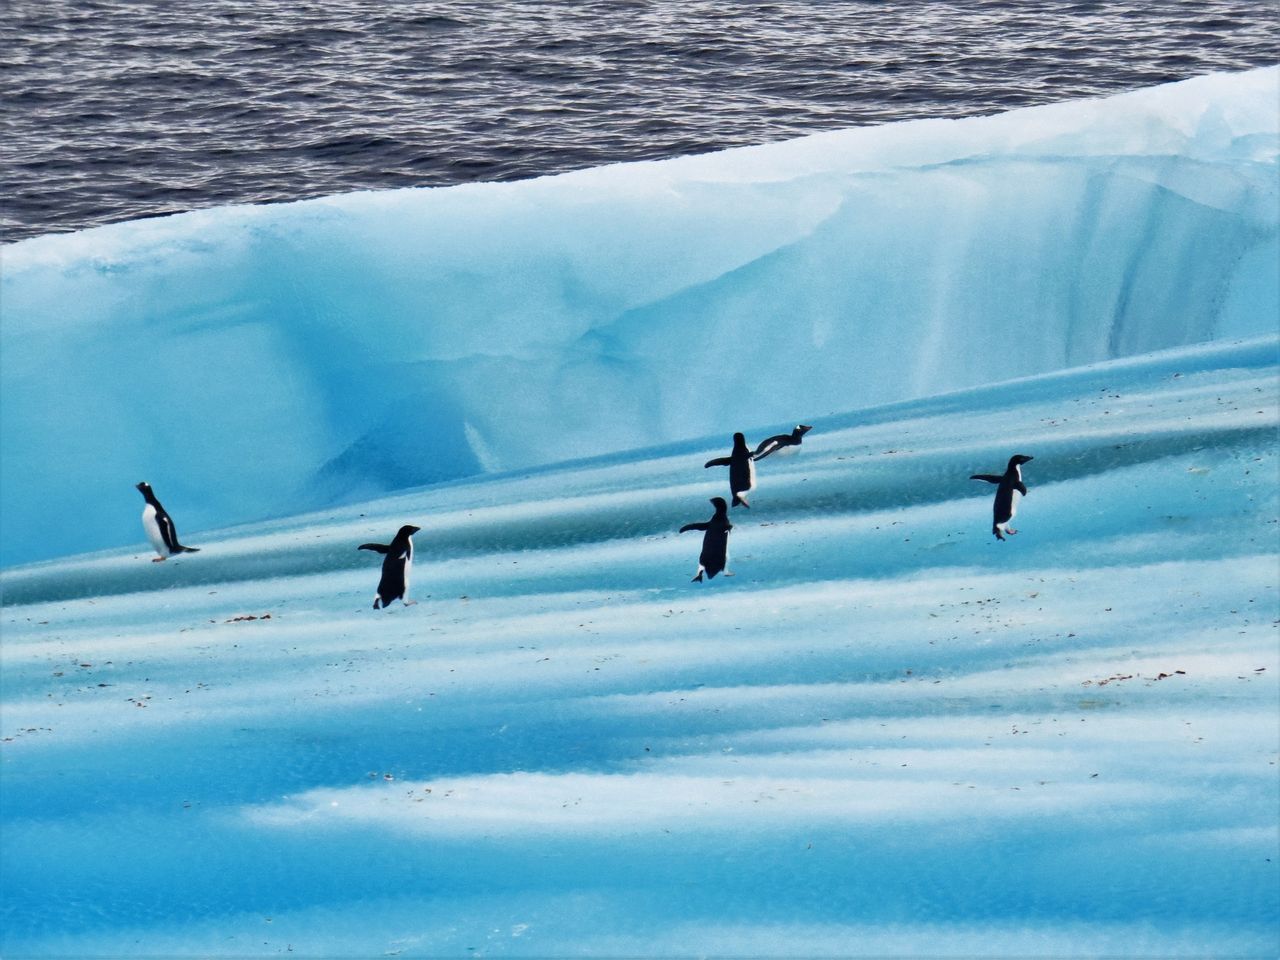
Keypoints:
(1009, 490)
(788, 441)
(742, 470)
(396, 566)
(715, 542)
(159, 527)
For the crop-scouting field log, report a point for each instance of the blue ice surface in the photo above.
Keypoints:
(886, 735)
(262, 361)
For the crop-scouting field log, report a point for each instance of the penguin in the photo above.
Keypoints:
(1009, 490)
(715, 542)
(159, 527)
(396, 566)
(774, 444)
(742, 470)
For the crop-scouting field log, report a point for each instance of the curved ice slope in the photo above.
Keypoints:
(263, 360)
(887, 735)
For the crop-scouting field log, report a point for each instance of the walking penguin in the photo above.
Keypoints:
(774, 444)
(742, 470)
(715, 542)
(1009, 490)
(159, 527)
(396, 565)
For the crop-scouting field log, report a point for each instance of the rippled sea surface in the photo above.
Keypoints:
(114, 110)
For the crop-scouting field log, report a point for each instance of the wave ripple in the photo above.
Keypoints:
(117, 110)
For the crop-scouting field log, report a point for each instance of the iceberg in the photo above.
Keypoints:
(887, 734)
(253, 362)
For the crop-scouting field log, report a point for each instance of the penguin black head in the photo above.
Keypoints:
(1018, 459)
(739, 440)
(800, 430)
(144, 488)
(408, 530)
(720, 505)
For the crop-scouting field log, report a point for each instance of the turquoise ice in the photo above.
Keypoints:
(261, 361)
(887, 735)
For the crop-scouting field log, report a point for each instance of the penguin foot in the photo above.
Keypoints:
(730, 573)
(159, 559)
(1010, 531)
(408, 603)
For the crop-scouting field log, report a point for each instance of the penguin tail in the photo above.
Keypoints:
(739, 501)
(377, 603)
(188, 549)
(698, 578)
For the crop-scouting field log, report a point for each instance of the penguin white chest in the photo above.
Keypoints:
(152, 527)
(1013, 504)
(751, 474)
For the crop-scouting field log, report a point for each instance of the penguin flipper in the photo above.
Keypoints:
(990, 478)
(1020, 487)
(694, 526)
(718, 462)
(375, 547)
(772, 444)
(168, 532)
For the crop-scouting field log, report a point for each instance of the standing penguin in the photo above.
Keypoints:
(159, 527)
(774, 444)
(396, 566)
(715, 542)
(1009, 490)
(742, 470)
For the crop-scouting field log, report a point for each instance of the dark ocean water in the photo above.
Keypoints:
(114, 110)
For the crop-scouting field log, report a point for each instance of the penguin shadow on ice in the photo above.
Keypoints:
(1009, 490)
(159, 527)
(742, 470)
(397, 563)
(714, 557)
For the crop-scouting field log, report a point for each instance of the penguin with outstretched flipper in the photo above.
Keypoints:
(1009, 490)
(159, 527)
(781, 441)
(742, 470)
(715, 541)
(397, 563)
